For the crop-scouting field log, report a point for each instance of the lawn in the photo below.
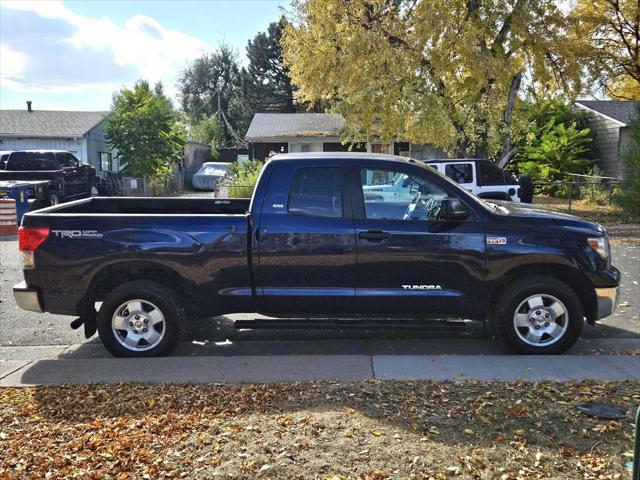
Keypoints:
(604, 214)
(369, 430)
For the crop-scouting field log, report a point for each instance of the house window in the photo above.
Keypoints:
(379, 148)
(105, 162)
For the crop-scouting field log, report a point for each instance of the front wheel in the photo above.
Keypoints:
(539, 315)
(140, 319)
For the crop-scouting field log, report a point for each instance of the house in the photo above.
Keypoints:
(81, 133)
(610, 122)
(318, 132)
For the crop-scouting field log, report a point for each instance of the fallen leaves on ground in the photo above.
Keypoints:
(369, 431)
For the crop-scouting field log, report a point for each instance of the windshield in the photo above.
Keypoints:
(31, 161)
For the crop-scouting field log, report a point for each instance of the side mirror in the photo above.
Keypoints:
(452, 209)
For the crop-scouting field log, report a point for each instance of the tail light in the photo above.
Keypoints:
(29, 239)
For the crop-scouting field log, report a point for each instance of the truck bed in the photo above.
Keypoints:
(152, 206)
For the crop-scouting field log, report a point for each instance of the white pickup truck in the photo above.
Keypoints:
(481, 177)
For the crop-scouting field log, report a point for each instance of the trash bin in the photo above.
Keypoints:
(18, 191)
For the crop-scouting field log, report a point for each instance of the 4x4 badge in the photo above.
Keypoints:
(496, 240)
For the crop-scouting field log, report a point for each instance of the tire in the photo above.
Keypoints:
(543, 302)
(526, 188)
(136, 306)
(53, 199)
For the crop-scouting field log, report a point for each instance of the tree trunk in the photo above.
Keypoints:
(508, 150)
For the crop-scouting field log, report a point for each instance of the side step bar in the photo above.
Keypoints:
(337, 323)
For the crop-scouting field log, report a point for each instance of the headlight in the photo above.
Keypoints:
(600, 245)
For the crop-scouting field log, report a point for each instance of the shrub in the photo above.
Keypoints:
(242, 178)
(593, 192)
(554, 141)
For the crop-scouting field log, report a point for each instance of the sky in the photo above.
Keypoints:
(73, 55)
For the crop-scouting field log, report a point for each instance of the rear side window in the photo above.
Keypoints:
(460, 172)
(490, 174)
(316, 191)
(31, 161)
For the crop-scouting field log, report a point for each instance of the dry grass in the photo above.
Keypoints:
(603, 214)
(371, 430)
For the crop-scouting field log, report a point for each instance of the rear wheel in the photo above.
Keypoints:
(539, 315)
(140, 319)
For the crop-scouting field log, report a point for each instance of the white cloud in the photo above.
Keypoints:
(46, 47)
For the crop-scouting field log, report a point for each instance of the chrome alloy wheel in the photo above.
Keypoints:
(541, 320)
(138, 325)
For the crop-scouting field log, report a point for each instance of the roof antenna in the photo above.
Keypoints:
(29, 106)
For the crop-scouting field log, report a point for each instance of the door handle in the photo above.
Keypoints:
(374, 235)
(262, 234)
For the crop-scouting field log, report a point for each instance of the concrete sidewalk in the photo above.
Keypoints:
(88, 363)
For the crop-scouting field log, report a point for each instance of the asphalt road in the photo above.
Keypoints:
(20, 328)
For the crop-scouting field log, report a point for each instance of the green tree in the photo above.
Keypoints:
(270, 87)
(211, 84)
(629, 197)
(445, 73)
(145, 129)
(611, 29)
(208, 130)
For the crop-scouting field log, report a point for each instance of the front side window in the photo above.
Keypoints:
(105, 162)
(459, 172)
(394, 195)
(316, 191)
(66, 160)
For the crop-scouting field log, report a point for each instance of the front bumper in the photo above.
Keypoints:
(28, 298)
(607, 301)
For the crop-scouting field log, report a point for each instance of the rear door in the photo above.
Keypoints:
(306, 241)
(74, 174)
(409, 260)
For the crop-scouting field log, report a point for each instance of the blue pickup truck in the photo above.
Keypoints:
(318, 239)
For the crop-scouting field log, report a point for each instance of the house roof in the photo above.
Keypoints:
(48, 123)
(274, 125)
(622, 111)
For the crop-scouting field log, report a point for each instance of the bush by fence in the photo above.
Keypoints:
(592, 189)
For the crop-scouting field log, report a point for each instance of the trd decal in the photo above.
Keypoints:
(77, 233)
(421, 287)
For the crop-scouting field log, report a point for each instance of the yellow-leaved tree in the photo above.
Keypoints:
(444, 72)
(611, 29)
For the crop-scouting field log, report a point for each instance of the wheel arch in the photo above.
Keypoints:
(572, 277)
(111, 276)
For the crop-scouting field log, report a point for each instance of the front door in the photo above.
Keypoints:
(75, 179)
(409, 260)
(306, 242)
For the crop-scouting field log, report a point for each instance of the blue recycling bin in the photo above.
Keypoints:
(18, 191)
